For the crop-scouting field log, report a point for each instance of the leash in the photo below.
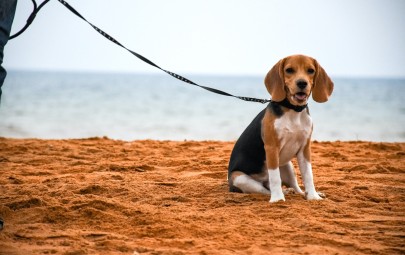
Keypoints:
(179, 77)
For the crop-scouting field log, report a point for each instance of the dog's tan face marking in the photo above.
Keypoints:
(295, 77)
(299, 73)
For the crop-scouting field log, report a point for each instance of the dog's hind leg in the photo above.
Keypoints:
(246, 184)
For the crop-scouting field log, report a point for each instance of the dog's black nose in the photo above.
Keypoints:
(302, 84)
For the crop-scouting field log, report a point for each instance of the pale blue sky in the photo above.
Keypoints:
(349, 38)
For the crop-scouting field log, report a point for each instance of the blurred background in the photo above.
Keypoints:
(66, 81)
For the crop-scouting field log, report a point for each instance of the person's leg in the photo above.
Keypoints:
(7, 11)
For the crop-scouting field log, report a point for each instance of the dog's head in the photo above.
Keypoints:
(295, 77)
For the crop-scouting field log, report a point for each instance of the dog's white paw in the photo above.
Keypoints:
(314, 195)
(277, 197)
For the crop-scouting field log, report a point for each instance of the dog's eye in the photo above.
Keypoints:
(289, 70)
(311, 71)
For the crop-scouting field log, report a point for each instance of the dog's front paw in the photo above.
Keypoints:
(314, 195)
(277, 197)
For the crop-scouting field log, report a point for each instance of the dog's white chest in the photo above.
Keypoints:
(293, 131)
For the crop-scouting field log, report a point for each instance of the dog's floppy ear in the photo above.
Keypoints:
(323, 85)
(274, 82)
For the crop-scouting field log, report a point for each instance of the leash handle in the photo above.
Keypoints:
(30, 18)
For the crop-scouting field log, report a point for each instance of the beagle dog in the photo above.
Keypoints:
(261, 158)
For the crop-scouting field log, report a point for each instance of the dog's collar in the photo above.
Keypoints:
(287, 104)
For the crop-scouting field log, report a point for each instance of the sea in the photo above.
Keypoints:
(133, 106)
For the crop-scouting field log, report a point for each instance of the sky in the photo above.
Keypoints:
(361, 38)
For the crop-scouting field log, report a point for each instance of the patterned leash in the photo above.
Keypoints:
(179, 77)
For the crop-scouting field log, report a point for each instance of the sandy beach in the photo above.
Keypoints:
(103, 196)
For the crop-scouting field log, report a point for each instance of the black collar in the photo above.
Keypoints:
(287, 104)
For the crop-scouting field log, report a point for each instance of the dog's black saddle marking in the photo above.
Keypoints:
(248, 155)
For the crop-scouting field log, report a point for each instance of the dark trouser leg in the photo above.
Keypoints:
(7, 11)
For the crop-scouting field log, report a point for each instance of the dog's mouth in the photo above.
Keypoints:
(300, 97)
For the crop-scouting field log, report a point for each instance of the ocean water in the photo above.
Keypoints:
(57, 105)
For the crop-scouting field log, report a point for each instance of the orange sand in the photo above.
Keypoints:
(101, 196)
